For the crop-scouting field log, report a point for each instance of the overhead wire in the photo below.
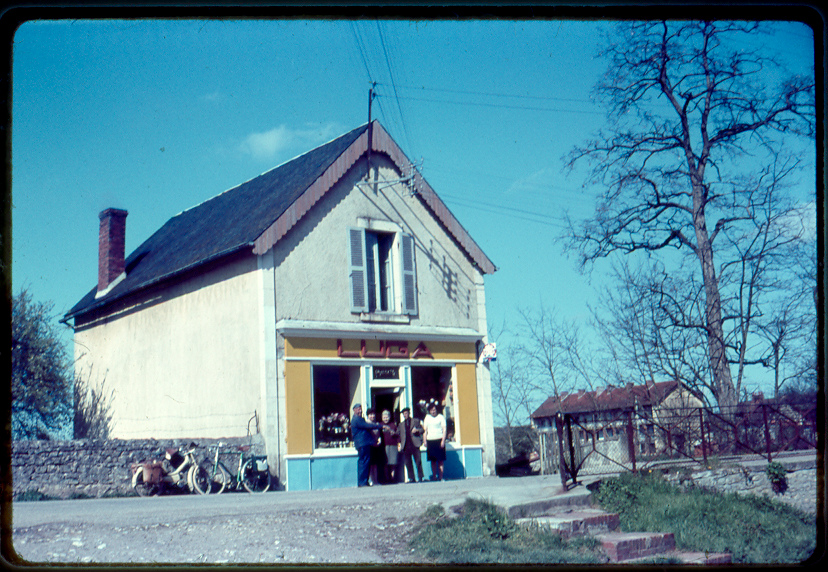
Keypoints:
(369, 52)
(361, 50)
(491, 94)
(393, 84)
(505, 211)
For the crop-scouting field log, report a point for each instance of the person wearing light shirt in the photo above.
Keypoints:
(435, 435)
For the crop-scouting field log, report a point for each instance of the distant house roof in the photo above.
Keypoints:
(606, 399)
(256, 214)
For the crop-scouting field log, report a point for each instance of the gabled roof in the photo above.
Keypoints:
(256, 214)
(607, 399)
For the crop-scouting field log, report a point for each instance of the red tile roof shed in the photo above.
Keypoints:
(606, 399)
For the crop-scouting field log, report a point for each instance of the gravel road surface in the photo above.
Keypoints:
(338, 526)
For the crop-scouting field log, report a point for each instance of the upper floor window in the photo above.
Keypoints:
(382, 271)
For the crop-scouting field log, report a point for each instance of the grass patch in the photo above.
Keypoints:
(484, 534)
(754, 530)
(33, 496)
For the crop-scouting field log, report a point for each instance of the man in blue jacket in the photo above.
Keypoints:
(363, 439)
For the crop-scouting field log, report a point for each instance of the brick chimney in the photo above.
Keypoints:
(111, 245)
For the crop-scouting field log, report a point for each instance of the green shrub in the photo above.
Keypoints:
(777, 475)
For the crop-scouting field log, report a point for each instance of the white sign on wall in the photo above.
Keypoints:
(489, 353)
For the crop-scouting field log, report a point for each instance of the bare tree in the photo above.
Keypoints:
(545, 350)
(560, 358)
(652, 324)
(789, 329)
(512, 388)
(692, 113)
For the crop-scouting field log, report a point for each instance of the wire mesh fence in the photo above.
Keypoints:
(630, 440)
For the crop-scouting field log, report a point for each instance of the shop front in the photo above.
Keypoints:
(325, 377)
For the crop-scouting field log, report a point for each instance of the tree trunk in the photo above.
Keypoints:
(722, 381)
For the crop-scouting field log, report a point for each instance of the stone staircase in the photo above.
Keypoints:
(572, 515)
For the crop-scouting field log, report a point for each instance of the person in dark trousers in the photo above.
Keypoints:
(435, 434)
(363, 437)
(411, 438)
(376, 468)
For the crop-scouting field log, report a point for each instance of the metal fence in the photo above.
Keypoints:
(630, 440)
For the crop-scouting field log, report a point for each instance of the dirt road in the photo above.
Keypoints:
(340, 527)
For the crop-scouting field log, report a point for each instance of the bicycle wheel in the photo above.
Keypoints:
(146, 489)
(254, 480)
(219, 479)
(198, 480)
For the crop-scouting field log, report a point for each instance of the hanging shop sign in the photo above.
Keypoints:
(387, 349)
(488, 354)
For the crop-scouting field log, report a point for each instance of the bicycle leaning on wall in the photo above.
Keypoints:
(178, 472)
(251, 472)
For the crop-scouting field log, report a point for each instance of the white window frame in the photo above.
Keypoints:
(402, 283)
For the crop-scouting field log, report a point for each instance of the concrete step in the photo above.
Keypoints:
(704, 558)
(625, 546)
(574, 522)
(577, 499)
(689, 558)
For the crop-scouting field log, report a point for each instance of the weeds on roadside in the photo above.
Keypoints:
(752, 529)
(483, 533)
(33, 495)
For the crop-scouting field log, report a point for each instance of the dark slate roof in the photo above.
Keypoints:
(221, 225)
(607, 399)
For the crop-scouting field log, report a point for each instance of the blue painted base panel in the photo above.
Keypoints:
(340, 471)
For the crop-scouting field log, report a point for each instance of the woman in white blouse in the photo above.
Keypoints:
(435, 436)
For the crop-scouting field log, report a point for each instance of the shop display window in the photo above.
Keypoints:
(334, 393)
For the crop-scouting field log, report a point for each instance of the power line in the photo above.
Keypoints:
(393, 84)
(507, 211)
(502, 106)
(361, 50)
(490, 94)
(531, 187)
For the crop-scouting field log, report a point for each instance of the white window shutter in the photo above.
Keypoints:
(409, 275)
(357, 275)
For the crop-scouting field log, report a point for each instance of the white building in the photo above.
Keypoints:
(338, 277)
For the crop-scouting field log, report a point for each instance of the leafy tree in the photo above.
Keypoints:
(692, 159)
(41, 379)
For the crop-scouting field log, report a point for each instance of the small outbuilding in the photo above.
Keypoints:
(607, 428)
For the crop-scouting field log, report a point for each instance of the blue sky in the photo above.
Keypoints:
(157, 116)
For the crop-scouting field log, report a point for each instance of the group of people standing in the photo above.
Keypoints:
(387, 450)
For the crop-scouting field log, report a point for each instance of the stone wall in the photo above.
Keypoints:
(95, 468)
(801, 480)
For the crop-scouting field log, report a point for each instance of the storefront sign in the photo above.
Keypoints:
(387, 349)
(386, 372)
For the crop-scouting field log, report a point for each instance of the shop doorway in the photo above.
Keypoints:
(387, 398)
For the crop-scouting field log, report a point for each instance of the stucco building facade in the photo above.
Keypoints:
(336, 278)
